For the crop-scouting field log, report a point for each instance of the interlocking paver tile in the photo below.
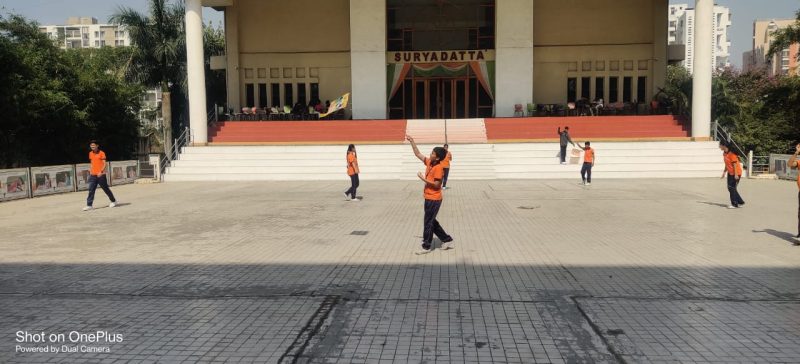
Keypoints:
(543, 271)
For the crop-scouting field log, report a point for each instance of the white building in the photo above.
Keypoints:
(681, 31)
(85, 32)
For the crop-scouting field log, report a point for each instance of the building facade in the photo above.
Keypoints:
(784, 63)
(438, 58)
(86, 32)
(443, 59)
(681, 30)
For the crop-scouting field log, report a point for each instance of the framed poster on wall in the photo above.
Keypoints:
(14, 184)
(124, 172)
(52, 179)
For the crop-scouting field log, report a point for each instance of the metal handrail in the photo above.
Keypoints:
(720, 133)
(174, 153)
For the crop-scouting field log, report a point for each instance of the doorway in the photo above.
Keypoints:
(440, 98)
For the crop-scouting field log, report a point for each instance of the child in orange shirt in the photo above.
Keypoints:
(588, 163)
(434, 173)
(733, 168)
(97, 176)
(446, 166)
(352, 171)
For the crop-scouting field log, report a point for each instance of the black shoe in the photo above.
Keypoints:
(449, 239)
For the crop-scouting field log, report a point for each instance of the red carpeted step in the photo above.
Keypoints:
(308, 131)
(651, 126)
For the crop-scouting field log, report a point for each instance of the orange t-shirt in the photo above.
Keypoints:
(730, 159)
(352, 164)
(588, 156)
(432, 173)
(98, 161)
(446, 161)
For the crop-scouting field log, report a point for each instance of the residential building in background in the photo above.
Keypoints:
(783, 63)
(681, 31)
(86, 32)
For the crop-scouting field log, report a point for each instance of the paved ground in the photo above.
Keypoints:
(543, 271)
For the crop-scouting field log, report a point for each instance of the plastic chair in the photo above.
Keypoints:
(518, 110)
(531, 109)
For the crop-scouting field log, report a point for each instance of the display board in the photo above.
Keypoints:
(52, 179)
(14, 184)
(124, 172)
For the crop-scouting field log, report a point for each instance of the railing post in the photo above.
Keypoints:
(750, 164)
(716, 131)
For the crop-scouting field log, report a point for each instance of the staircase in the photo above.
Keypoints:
(470, 161)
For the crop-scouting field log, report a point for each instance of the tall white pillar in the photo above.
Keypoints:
(195, 67)
(368, 58)
(232, 53)
(660, 58)
(703, 65)
(514, 64)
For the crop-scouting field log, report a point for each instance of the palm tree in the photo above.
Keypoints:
(785, 37)
(159, 52)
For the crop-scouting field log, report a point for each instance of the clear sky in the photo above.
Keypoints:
(57, 11)
(53, 12)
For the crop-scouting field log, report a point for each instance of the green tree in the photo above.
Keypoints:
(214, 45)
(158, 58)
(53, 102)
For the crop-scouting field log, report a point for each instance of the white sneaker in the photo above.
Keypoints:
(355, 199)
(448, 246)
(588, 183)
(422, 251)
(87, 208)
(563, 162)
(346, 197)
(731, 207)
(113, 204)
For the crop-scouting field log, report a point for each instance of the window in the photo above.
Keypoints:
(572, 89)
(613, 89)
(301, 93)
(288, 94)
(599, 88)
(249, 95)
(276, 94)
(627, 89)
(431, 26)
(641, 89)
(315, 91)
(586, 88)
(262, 95)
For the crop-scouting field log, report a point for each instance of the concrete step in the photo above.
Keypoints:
(470, 161)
